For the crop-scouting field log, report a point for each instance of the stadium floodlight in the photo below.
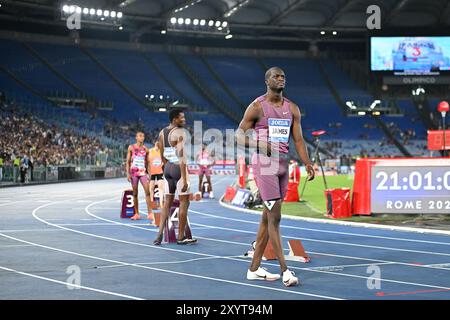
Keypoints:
(334, 33)
(224, 24)
(106, 13)
(92, 11)
(210, 23)
(173, 20)
(219, 28)
(374, 104)
(146, 96)
(228, 36)
(163, 31)
(361, 113)
(350, 104)
(85, 10)
(78, 10)
(202, 22)
(161, 97)
(218, 23)
(119, 14)
(72, 9)
(175, 103)
(99, 12)
(187, 21)
(65, 8)
(180, 20)
(195, 22)
(102, 18)
(120, 28)
(113, 14)
(322, 32)
(162, 109)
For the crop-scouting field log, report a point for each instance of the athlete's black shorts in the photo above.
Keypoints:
(157, 177)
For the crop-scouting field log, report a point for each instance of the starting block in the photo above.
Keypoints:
(127, 208)
(171, 224)
(296, 252)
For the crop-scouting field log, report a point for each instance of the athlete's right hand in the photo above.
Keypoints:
(128, 178)
(185, 186)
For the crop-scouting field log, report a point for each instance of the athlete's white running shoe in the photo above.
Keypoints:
(211, 195)
(262, 274)
(289, 278)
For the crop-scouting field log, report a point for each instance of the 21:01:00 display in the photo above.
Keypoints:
(414, 181)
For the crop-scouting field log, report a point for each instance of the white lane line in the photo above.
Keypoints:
(29, 230)
(245, 244)
(75, 286)
(346, 223)
(167, 262)
(14, 245)
(170, 271)
(272, 264)
(331, 242)
(325, 231)
(86, 224)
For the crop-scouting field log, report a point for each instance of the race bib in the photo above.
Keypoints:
(138, 162)
(279, 129)
(170, 154)
(204, 162)
(157, 162)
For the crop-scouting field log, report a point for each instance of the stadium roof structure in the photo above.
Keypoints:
(311, 20)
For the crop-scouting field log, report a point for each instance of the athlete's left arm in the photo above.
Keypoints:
(299, 142)
(148, 161)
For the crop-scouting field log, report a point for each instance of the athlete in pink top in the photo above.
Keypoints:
(276, 120)
(136, 168)
(205, 161)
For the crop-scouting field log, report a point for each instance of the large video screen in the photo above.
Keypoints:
(420, 55)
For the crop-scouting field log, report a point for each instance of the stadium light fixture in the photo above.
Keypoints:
(106, 13)
(202, 22)
(99, 12)
(173, 20)
(228, 36)
(218, 23)
(351, 105)
(119, 14)
(113, 14)
(361, 113)
(224, 24)
(374, 104)
(78, 10)
(195, 22)
(322, 32)
(334, 33)
(175, 103)
(210, 23)
(92, 11)
(85, 10)
(187, 21)
(120, 28)
(180, 20)
(65, 8)
(162, 109)
(163, 31)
